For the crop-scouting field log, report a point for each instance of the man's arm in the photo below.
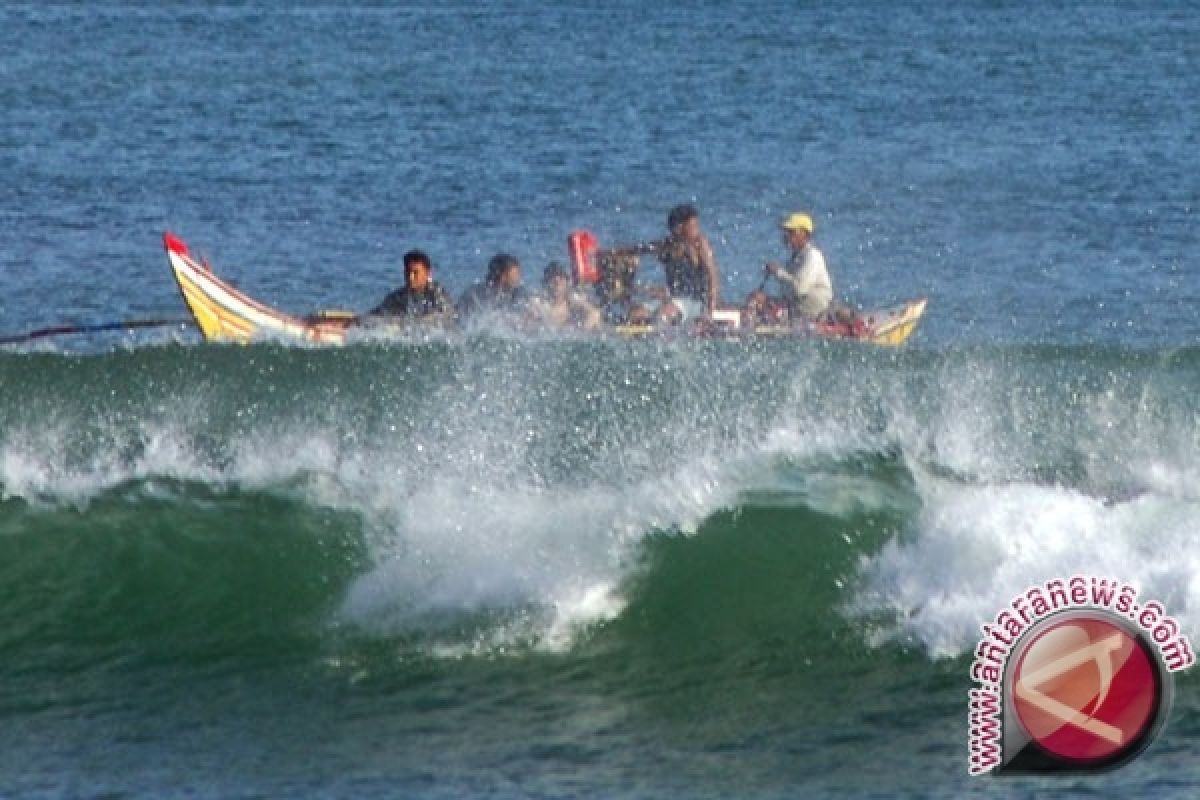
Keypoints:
(588, 315)
(443, 305)
(640, 249)
(714, 279)
(786, 278)
(811, 276)
(390, 307)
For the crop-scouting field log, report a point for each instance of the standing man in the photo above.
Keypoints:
(689, 264)
(806, 285)
(693, 282)
(421, 297)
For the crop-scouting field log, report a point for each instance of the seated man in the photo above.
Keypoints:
(558, 305)
(421, 297)
(807, 290)
(693, 282)
(501, 291)
(617, 289)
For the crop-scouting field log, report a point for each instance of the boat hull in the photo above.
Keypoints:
(225, 314)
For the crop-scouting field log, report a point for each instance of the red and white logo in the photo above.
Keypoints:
(1086, 690)
(1074, 676)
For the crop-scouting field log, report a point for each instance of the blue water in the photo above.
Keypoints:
(1027, 168)
(285, 572)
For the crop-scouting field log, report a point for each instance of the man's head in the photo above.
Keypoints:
(684, 222)
(555, 279)
(797, 229)
(504, 271)
(416, 270)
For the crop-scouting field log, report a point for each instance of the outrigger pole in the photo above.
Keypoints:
(123, 325)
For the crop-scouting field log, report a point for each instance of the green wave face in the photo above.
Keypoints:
(767, 558)
(523, 494)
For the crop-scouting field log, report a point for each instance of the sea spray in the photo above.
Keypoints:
(515, 482)
(972, 544)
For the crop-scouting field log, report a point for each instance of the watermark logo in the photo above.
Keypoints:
(1073, 676)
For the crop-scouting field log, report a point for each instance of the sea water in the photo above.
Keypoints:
(502, 565)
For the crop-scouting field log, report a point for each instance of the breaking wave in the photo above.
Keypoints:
(502, 495)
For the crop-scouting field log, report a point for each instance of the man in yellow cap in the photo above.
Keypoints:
(806, 285)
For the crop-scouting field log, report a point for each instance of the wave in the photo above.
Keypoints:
(512, 495)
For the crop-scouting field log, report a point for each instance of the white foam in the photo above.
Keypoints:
(1128, 443)
(975, 547)
(456, 525)
(459, 526)
(40, 467)
(554, 558)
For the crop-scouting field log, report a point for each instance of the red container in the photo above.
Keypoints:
(582, 245)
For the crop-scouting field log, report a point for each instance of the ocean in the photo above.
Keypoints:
(510, 565)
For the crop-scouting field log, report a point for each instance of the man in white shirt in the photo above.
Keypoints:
(806, 285)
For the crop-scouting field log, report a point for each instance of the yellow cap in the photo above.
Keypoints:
(798, 222)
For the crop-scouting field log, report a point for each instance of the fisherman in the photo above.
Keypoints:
(421, 297)
(617, 289)
(559, 305)
(500, 292)
(693, 282)
(807, 290)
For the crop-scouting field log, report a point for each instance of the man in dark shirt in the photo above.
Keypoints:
(421, 297)
(500, 292)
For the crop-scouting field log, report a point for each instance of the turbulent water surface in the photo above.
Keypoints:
(505, 565)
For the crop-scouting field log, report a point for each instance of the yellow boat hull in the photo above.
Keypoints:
(223, 314)
(892, 327)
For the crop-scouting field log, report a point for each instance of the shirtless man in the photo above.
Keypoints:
(693, 281)
(558, 305)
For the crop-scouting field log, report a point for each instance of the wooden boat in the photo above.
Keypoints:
(223, 314)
